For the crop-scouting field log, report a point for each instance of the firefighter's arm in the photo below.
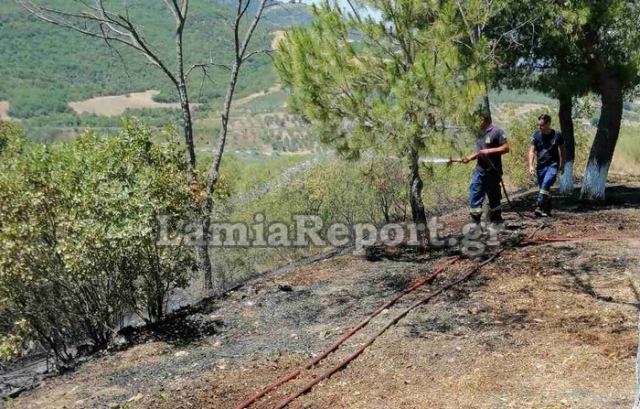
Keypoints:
(471, 157)
(500, 150)
(532, 156)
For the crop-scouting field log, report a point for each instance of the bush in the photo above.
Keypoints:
(12, 138)
(78, 227)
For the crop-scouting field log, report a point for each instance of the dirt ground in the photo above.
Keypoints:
(277, 36)
(4, 110)
(544, 326)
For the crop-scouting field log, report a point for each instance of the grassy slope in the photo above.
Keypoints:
(44, 66)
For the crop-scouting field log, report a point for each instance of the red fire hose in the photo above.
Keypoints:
(343, 363)
(294, 374)
(556, 239)
(306, 388)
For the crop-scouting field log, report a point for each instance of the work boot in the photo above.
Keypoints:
(547, 207)
(540, 210)
(476, 218)
(495, 217)
(537, 211)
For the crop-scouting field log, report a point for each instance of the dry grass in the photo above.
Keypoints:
(626, 159)
(117, 104)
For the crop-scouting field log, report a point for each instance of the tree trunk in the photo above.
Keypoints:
(204, 258)
(486, 104)
(604, 144)
(202, 248)
(187, 127)
(202, 251)
(566, 127)
(214, 170)
(180, 82)
(415, 191)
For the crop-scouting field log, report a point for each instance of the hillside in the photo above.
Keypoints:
(45, 67)
(273, 241)
(547, 325)
(56, 80)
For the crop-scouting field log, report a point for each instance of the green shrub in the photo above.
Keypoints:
(79, 226)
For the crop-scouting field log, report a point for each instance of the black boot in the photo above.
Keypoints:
(547, 207)
(476, 218)
(496, 217)
(540, 210)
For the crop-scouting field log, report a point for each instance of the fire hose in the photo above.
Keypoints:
(340, 365)
(294, 374)
(345, 361)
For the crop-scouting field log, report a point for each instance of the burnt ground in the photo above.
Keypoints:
(544, 326)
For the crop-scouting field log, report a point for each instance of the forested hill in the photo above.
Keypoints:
(43, 67)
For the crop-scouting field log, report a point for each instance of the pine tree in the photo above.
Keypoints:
(389, 85)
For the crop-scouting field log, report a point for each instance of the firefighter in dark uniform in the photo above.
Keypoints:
(490, 146)
(548, 152)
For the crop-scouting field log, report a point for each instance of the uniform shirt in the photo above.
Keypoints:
(492, 137)
(546, 146)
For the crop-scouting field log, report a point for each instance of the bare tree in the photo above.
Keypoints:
(241, 55)
(93, 19)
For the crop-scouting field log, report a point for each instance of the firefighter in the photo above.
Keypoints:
(485, 180)
(547, 150)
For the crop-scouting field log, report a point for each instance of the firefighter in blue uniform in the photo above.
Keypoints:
(547, 150)
(490, 146)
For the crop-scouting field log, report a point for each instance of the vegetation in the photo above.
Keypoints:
(567, 50)
(49, 66)
(79, 227)
(274, 101)
(79, 218)
(392, 89)
(627, 157)
(521, 96)
(120, 26)
(371, 190)
(62, 66)
(253, 172)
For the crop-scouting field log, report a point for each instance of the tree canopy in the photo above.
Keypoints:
(388, 85)
(568, 49)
